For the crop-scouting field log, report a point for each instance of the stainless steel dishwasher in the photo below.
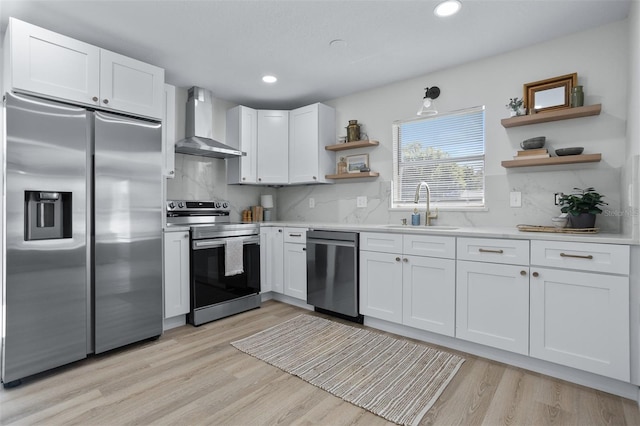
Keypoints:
(332, 273)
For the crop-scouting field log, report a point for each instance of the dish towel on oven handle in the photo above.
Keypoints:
(233, 260)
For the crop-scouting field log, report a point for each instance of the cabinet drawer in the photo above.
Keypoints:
(609, 258)
(383, 242)
(515, 252)
(295, 235)
(427, 245)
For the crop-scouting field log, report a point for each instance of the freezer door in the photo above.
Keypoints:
(128, 239)
(46, 279)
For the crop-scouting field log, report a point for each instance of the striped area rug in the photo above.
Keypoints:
(393, 378)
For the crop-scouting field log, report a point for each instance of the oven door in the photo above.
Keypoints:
(209, 285)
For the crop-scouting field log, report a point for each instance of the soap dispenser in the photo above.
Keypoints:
(415, 218)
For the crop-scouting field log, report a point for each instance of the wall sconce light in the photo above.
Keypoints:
(428, 106)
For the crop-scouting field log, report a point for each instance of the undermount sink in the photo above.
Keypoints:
(421, 227)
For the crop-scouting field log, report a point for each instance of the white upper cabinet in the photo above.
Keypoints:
(43, 62)
(169, 130)
(127, 84)
(283, 147)
(242, 134)
(311, 128)
(273, 147)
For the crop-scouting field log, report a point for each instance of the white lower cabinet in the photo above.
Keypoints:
(272, 259)
(581, 319)
(399, 284)
(176, 273)
(562, 302)
(381, 285)
(295, 270)
(492, 293)
(429, 294)
(492, 305)
(295, 262)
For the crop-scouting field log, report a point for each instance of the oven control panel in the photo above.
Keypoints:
(197, 206)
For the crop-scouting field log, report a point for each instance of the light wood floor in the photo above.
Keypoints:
(193, 376)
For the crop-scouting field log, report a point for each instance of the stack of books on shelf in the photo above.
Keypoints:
(530, 154)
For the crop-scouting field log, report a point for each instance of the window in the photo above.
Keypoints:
(447, 152)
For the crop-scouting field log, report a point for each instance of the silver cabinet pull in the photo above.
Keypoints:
(535, 274)
(94, 99)
(499, 251)
(523, 273)
(295, 235)
(397, 259)
(405, 260)
(577, 256)
(105, 101)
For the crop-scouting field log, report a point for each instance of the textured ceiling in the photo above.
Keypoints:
(226, 46)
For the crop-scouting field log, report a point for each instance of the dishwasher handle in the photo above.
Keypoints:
(330, 242)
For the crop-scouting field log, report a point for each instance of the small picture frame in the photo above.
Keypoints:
(357, 162)
(550, 94)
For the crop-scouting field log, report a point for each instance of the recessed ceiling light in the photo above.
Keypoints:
(269, 79)
(338, 43)
(447, 8)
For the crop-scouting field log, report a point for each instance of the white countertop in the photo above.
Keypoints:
(483, 232)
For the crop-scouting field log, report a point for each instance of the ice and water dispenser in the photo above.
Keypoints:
(47, 215)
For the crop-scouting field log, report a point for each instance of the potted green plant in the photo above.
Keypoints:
(515, 106)
(582, 207)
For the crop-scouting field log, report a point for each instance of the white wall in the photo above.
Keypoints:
(599, 56)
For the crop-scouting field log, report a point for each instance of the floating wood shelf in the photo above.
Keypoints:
(545, 117)
(567, 159)
(353, 175)
(351, 145)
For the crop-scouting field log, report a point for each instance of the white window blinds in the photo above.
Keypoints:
(447, 152)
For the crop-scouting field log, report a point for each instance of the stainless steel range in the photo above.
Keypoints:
(225, 259)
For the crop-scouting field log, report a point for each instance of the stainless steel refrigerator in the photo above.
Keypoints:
(82, 234)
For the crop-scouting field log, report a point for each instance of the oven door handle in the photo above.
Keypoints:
(207, 244)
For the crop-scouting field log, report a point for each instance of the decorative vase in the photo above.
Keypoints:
(342, 166)
(583, 220)
(577, 97)
(517, 112)
(353, 131)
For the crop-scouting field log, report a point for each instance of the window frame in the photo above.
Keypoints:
(459, 205)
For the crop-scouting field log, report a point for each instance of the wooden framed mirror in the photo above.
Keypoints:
(550, 94)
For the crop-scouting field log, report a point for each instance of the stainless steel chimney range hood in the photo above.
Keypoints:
(199, 128)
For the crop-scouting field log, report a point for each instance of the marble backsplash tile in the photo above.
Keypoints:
(202, 178)
(337, 202)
